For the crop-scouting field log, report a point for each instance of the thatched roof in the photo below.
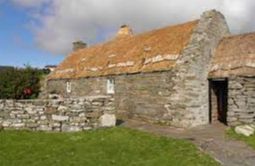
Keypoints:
(235, 55)
(156, 50)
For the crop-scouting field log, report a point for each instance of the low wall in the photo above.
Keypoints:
(241, 100)
(74, 114)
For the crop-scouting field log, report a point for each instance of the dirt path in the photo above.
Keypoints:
(210, 139)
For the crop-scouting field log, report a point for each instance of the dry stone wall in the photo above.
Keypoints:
(241, 101)
(67, 115)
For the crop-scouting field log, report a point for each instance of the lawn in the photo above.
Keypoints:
(104, 147)
(248, 140)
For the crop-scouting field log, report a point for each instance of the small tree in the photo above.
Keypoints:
(16, 83)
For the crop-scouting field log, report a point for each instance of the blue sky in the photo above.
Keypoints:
(17, 45)
(41, 32)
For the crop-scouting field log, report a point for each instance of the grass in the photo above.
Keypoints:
(105, 147)
(248, 140)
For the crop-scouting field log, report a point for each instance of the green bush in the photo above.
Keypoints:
(20, 83)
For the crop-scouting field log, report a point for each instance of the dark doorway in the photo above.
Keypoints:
(218, 100)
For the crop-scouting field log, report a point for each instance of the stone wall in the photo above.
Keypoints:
(141, 95)
(145, 96)
(80, 87)
(191, 89)
(74, 114)
(241, 100)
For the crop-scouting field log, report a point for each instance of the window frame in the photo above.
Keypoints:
(110, 86)
(68, 87)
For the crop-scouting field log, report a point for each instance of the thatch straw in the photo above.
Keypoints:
(235, 55)
(152, 51)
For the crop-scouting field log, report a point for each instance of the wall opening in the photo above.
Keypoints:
(110, 86)
(218, 100)
(68, 87)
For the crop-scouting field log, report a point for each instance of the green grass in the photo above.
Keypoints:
(248, 140)
(105, 147)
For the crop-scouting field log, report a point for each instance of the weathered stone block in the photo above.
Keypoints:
(55, 125)
(44, 128)
(59, 118)
(77, 110)
(62, 108)
(43, 117)
(6, 124)
(30, 110)
(32, 125)
(18, 125)
(245, 130)
(82, 115)
(68, 128)
(93, 114)
(1, 106)
(107, 120)
(23, 116)
(87, 128)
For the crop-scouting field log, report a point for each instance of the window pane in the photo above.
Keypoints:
(68, 87)
(110, 86)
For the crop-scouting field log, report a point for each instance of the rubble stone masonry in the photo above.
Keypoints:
(241, 101)
(67, 115)
(190, 97)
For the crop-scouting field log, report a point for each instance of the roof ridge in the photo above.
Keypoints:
(239, 35)
(114, 39)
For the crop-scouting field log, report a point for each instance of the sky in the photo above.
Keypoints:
(41, 32)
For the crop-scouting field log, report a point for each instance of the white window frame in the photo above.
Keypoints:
(110, 86)
(68, 87)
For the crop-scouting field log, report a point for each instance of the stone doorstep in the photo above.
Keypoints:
(245, 130)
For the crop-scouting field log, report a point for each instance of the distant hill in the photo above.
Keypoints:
(6, 67)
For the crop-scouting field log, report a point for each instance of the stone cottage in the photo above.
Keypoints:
(232, 80)
(161, 76)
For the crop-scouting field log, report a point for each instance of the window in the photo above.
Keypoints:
(68, 87)
(110, 86)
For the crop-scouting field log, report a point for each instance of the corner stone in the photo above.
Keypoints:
(107, 120)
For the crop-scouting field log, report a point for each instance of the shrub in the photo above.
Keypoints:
(20, 83)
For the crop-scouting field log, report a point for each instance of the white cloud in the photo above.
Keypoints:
(240, 14)
(95, 20)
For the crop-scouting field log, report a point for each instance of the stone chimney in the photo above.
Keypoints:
(79, 45)
(124, 30)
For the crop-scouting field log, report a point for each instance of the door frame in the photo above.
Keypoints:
(221, 95)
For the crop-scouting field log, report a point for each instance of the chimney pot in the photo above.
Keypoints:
(124, 30)
(77, 45)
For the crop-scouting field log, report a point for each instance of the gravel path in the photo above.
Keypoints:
(211, 139)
